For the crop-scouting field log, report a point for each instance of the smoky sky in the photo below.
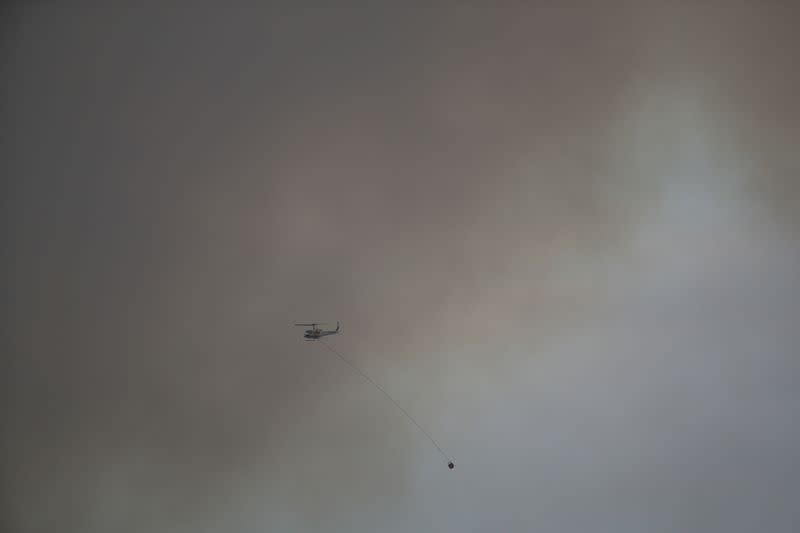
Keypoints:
(563, 237)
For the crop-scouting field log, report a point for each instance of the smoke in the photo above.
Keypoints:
(563, 238)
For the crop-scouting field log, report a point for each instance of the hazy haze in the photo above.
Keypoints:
(566, 239)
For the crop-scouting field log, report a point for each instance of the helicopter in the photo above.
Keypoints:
(316, 333)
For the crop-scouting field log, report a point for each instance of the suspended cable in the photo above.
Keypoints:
(365, 376)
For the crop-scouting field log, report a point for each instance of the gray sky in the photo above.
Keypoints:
(566, 239)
